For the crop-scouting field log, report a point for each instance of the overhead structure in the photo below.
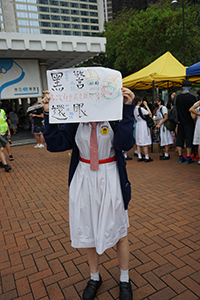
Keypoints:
(25, 58)
(56, 51)
(164, 72)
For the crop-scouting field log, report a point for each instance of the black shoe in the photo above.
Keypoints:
(128, 158)
(164, 157)
(148, 160)
(140, 159)
(1, 165)
(11, 157)
(125, 291)
(90, 291)
(7, 168)
(135, 154)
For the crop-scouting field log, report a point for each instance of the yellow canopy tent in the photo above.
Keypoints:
(164, 72)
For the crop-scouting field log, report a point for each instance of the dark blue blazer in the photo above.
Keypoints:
(63, 138)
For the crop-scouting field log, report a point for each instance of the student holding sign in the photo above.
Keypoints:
(99, 187)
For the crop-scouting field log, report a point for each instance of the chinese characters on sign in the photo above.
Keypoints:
(85, 95)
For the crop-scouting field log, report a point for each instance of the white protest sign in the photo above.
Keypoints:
(84, 95)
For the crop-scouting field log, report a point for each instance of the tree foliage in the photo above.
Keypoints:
(137, 38)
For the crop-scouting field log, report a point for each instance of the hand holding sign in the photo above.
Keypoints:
(45, 101)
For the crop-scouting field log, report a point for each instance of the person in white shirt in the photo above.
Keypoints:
(166, 138)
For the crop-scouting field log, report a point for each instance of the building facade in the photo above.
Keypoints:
(76, 18)
(48, 35)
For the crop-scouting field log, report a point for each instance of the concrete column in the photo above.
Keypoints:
(12, 104)
(9, 16)
(5, 104)
(101, 15)
(43, 76)
(16, 105)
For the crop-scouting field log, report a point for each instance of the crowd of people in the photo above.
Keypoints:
(186, 130)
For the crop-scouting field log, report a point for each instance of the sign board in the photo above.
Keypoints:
(19, 78)
(84, 95)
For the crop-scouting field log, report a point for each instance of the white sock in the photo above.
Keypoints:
(124, 275)
(136, 152)
(147, 156)
(166, 154)
(95, 276)
(139, 155)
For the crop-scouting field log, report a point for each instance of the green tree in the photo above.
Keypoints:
(159, 29)
(137, 38)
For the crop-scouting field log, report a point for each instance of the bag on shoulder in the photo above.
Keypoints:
(147, 118)
(168, 124)
(173, 115)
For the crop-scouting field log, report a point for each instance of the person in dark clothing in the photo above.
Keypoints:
(184, 101)
(22, 118)
(36, 113)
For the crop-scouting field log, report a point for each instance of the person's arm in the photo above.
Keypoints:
(38, 116)
(9, 122)
(123, 138)
(193, 108)
(9, 133)
(146, 105)
(9, 125)
(57, 139)
(165, 117)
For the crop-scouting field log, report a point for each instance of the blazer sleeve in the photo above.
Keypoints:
(123, 138)
(59, 138)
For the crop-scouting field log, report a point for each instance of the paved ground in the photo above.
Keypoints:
(23, 137)
(37, 261)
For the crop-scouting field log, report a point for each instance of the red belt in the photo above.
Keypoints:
(101, 161)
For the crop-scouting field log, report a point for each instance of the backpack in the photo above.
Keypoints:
(168, 124)
(173, 115)
(147, 118)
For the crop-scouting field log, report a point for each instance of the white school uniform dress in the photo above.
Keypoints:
(165, 135)
(196, 139)
(143, 134)
(96, 208)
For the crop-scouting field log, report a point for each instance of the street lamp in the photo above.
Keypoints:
(173, 2)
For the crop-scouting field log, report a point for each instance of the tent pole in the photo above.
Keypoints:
(167, 91)
(151, 128)
(152, 91)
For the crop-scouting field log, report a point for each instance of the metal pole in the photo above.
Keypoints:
(183, 31)
(106, 10)
(152, 128)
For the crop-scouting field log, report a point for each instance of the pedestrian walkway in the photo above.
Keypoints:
(38, 262)
(23, 137)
